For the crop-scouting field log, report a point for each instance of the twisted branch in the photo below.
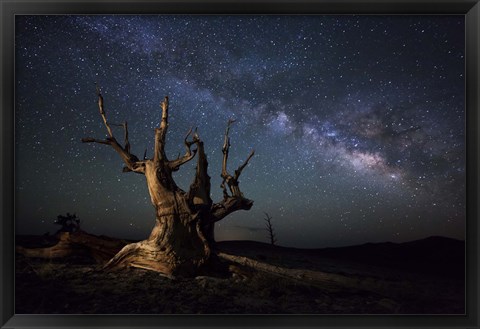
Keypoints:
(125, 128)
(131, 161)
(231, 181)
(189, 154)
(102, 111)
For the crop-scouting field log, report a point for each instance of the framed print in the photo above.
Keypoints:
(270, 164)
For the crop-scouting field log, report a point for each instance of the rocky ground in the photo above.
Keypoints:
(263, 279)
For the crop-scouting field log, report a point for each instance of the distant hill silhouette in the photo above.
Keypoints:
(435, 255)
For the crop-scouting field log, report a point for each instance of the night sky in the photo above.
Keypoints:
(357, 122)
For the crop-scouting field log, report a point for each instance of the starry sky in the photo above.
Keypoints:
(357, 122)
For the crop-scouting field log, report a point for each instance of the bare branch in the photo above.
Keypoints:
(226, 147)
(231, 181)
(102, 111)
(127, 142)
(175, 164)
(131, 161)
(239, 170)
(164, 106)
(137, 167)
(125, 128)
(189, 154)
(161, 133)
(229, 205)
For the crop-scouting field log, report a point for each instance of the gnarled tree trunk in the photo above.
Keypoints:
(181, 240)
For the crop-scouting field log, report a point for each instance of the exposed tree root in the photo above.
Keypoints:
(327, 281)
(101, 249)
(141, 255)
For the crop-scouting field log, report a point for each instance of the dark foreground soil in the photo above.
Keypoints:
(368, 279)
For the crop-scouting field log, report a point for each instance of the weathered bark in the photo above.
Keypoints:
(101, 249)
(181, 240)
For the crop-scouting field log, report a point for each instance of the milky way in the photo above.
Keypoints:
(357, 122)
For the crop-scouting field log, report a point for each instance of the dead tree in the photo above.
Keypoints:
(68, 223)
(181, 240)
(269, 228)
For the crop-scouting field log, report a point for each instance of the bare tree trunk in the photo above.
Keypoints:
(176, 245)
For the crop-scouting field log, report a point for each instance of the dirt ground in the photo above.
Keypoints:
(263, 279)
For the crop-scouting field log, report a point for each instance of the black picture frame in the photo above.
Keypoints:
(8, 10)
